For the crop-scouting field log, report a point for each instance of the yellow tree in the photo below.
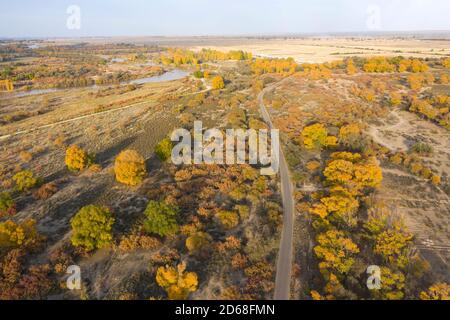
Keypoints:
(393, 245)
(395, 99)
(218, 83)
(438, 291)
(177, 283)
(77, 159)
(315, 137)
(336, 252)
(351, 69)
(392, 285)
(130, 168)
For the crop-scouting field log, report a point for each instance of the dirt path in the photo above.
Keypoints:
(284, 262)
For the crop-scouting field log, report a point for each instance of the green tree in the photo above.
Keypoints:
(164, 149)
(92, 227)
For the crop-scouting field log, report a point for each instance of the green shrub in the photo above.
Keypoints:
(92, 227)
(161, 218)
(164, 149)
(199, 74)
(422, 148)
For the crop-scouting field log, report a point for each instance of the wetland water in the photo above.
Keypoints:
(175, 74)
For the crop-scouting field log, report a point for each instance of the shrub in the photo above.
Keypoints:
(161, 218)
(436, 180)
(238, 261)
(218, 83)
(438, 291)
(228, 219)
(164, 149)
(133, 242)
(176, 282)
(130, 168)
(92, 227)
(244, 211)
(25, 180)
(199, 74)
(395, 99)
(197, 241)
(446, 62)
(77, 159)
(46, 191)
(7, 205)
(422, 148)
(20, 283)
(22, 235)
(25, 156)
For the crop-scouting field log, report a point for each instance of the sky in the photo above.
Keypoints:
(58, 18)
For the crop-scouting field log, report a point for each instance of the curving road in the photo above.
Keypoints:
(284, 262)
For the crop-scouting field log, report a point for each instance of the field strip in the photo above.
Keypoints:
(70, 120)
(6, 136)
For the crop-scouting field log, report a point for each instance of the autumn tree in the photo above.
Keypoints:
(25, 180)
(77, 159)
(341, 203)
(316, 137)
(393, 245)
(395, 99)
(350, 135)
(379, 65)
(350, 68)
(438, 291)
(418, 66)
(446, 62)
(177, 283)
(335, 251)
(92, 227)
(161, 218)
(19, 235)
(217, 83)
(392, 285)
(347, 170)
(130, 168)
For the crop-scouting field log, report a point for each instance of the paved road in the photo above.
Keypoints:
(284, 262)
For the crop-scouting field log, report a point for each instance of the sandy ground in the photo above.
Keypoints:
(323, 50)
